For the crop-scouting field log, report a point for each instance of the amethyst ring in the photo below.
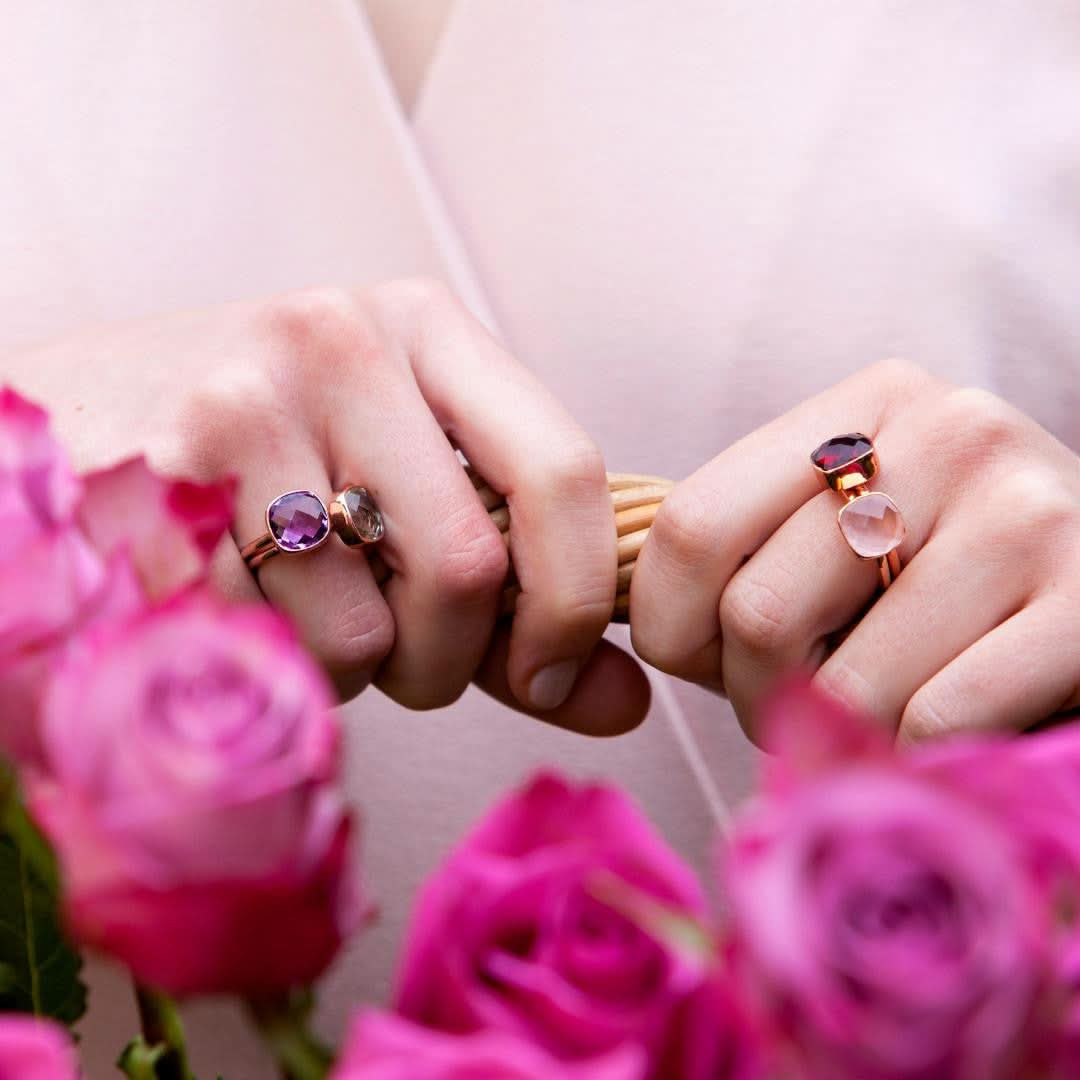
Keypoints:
(869, 521)
(299, 521)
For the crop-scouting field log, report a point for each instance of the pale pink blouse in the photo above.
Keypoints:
(686, 217)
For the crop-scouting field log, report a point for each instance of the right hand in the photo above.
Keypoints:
(377, 387)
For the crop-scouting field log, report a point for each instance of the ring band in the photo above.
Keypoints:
(869, 521)
(299, 522)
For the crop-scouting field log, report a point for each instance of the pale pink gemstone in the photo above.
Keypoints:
(872, 525)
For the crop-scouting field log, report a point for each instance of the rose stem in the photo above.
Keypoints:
(161, 1026)
(282, 1022)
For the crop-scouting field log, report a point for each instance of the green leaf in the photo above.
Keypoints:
(41, 970)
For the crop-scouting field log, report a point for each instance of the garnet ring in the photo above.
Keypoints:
(299, 521)
(869, 520)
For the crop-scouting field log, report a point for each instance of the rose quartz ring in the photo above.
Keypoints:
(869, 520)
(298, 522)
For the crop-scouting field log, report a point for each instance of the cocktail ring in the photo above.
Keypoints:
(298, 522)
(869, 520)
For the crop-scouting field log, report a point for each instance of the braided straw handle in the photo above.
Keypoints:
(635, 497)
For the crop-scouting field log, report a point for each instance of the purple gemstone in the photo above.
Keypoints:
(298, 521)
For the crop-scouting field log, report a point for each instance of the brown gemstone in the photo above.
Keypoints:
(364, 514)
(872, 525)
(835, 453)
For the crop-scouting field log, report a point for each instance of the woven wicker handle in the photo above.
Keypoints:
(636, 499)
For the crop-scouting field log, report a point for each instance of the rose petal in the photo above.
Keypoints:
(170, 526)
(382, 1046)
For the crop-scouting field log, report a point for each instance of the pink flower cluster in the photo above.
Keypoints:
(883, 916)
(180, 754)
(886, 917)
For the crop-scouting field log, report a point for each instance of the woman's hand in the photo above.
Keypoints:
(745, 574)
(377, 387)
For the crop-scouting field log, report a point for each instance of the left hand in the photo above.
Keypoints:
(745, 575)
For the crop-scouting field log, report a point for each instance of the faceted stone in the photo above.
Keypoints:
(364, 514)
(843, 450)
(298, 521)
(872, 525)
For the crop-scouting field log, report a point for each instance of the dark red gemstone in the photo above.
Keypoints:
(841, 451)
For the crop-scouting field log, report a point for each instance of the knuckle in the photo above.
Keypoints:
(1035, 502)
(473, 562)
(665, 651)
(752, 615)
(899, 376)
(235, 406)
(417, 294)
(926, 716)
(684, 529)
(357, 638)
(846, 683)
(324, 328)
(980, 422)
(582, 608)
(577, 468)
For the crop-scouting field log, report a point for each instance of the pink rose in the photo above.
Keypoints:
(79, 551)
(886, 925)
(48, 571)
(189, 789)
(168, 528)
(1032, 787)
(382, 1046)
(511, 933)
(32, 1049)
(712, 1038)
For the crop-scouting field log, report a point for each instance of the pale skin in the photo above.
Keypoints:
(744, 576)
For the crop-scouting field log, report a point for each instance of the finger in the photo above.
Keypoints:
(448, 560)
(231, 577)
(562, 527)
(1019, 674)
(951, 594)
(720, 516)
(784, 608)
(610, 698)
(329, 592)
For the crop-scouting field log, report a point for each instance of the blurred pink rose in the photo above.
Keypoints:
(712, 1038)
(32, 1049)
(887, 926)
(1032, 787)
(189, 790)
(49, 573)
(382, 1046)
(169, 528)
(511, 934)
(74, 552)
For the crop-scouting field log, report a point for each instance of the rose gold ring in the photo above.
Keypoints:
(299, 521)
(869, 521)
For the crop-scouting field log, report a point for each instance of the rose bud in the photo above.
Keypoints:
(190, 792)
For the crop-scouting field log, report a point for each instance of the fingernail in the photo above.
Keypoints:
(551, 686)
